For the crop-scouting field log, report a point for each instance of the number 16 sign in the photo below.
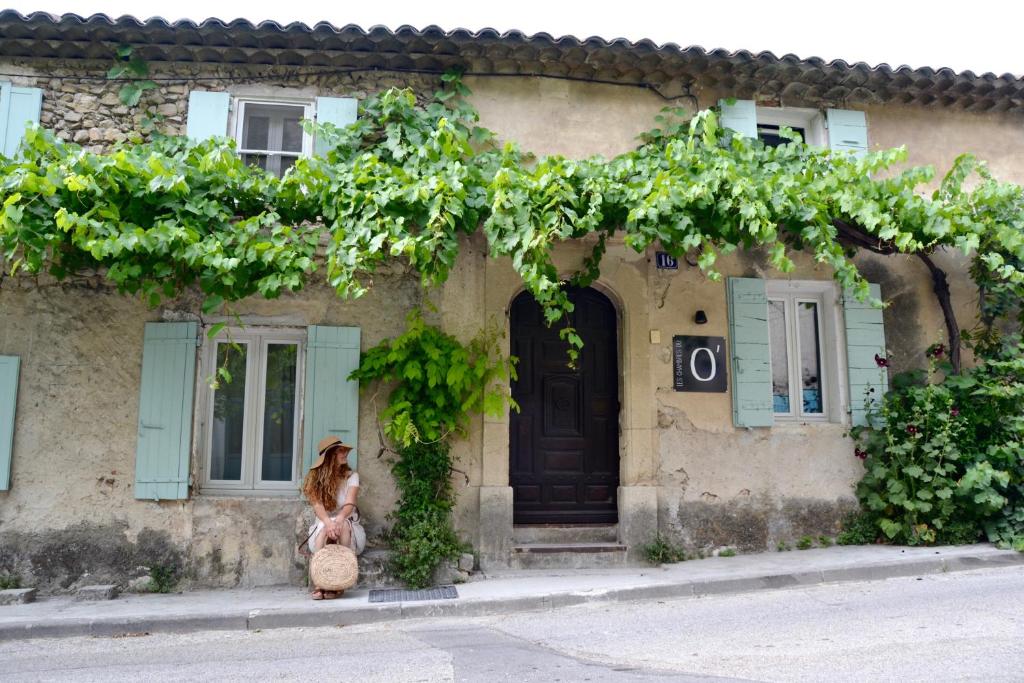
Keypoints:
(698, 364)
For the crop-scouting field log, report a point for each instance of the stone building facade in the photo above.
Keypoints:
(681, 463)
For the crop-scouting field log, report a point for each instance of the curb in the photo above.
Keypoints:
(259, 619)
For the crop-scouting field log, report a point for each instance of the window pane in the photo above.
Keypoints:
(287, 162)
(257, 131)
(771, 135)
(229, 414)
(291, 136)
(780, 356)
(810, 357)
(279, 413)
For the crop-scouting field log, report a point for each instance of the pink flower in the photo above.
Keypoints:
(954, 411)
(911, 429)
(935, 351)
(863, 455)
(881, 362)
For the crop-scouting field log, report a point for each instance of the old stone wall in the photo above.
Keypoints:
(81, 105)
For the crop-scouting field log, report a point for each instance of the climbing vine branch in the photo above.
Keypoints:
(410, 178)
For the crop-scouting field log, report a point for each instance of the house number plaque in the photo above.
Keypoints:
(698, 364)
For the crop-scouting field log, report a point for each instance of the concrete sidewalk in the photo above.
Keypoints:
(500, 593)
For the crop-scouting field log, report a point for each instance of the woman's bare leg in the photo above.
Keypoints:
(345, 538)
(319, 542)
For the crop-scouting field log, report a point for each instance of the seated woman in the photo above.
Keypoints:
(331, 486)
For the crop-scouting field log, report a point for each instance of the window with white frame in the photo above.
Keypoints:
(251, 413)
(270, 134)
(802, 325)
(809, 123)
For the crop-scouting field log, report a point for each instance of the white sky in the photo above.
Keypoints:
(980, 35)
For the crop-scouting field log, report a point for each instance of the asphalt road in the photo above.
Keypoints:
(968, 625)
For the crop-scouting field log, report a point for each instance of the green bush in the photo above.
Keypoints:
(943, 455)
(438, 383)
(8, 581)
(663, 551)
(422, 536)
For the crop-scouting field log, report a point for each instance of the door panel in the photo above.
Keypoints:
(564, 460)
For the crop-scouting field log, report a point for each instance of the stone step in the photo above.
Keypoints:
(523, 534)
(568, 555)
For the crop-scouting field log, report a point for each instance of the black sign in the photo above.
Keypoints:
(698, 364)
(666, 262)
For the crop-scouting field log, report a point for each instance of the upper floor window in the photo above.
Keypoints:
(836, 129)
(809, 123)
(270, 134)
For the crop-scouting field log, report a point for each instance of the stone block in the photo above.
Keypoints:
(466, 562)
(104, 592)
(638, 519)
(140, 584)
(495, 540)
(17, 596)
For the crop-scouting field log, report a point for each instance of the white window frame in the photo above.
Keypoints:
(255, 394)
(812, 121)
(309, 112)
(831, 340)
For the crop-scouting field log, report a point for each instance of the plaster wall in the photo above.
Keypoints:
(72, 499)
(717, 484)
(81, 350)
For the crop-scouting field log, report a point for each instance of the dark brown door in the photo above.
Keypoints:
(565, 439)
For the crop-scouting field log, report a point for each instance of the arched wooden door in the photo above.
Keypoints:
(564, 442)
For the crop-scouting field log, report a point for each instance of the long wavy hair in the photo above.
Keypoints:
(321, 484)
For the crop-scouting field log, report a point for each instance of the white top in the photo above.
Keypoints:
(351, 482)
(358, 535)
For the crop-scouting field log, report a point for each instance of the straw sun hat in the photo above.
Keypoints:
(326, 444)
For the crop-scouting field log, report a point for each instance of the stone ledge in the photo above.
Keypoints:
(17, 596)
(106, 592)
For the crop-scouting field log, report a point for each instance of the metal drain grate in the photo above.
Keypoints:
(399, 595)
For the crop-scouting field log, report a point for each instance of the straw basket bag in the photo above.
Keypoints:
(334, 568)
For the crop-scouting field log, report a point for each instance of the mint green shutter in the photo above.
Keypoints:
(207, 114)
(751, 359)
(740, 116)
(18, 107)
(341, 111)
(165, 411)
(9, 366)
(331, 404)
(865, 338)
(847, 130)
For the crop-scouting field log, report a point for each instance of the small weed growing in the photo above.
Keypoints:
(782, 547)
(727, 552)
(663, 551)
(805, 543)
(162, 579)
(858, 529)
(8, 581)
(824, 541)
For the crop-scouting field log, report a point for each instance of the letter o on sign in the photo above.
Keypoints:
(711, 361)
